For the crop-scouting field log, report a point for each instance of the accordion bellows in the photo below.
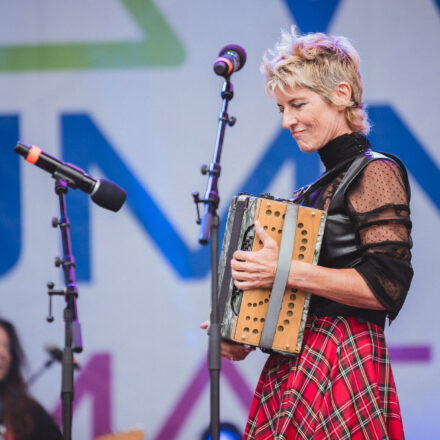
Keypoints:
(244, 314)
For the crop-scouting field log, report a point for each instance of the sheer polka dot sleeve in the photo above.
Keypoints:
(379, 205)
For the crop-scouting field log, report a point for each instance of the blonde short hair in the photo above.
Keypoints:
(318, 62)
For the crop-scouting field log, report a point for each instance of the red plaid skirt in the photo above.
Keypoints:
(340, 387)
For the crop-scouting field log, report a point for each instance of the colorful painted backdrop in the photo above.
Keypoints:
(125, 90)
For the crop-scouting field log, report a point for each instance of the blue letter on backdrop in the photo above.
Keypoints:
(10, 213)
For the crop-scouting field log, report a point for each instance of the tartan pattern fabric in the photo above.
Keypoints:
(340, 387)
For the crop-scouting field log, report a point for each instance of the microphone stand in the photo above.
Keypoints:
(72, 333)
(209, 227)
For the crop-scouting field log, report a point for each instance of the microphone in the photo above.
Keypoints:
(230, 59)
(56, 354)
(103, 192)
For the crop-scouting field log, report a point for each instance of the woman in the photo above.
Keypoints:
(341, 385)
(21, 417)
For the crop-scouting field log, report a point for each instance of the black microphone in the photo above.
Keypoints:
(56, 354)
(104, 193)
(230, 59)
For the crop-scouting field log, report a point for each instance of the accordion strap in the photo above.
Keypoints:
(281, 275)
(233, 246)
(300, 194)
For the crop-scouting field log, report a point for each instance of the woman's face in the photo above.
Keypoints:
(5, 354)
(312, 121)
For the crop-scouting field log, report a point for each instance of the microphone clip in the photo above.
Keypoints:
(227, 94)
(51, 292)
(229, 120)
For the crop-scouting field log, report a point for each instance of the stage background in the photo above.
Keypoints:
(125, 89)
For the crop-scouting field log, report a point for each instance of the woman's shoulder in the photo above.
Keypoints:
(383, 179)
(383, 168)
(386, 164)
(43, 422)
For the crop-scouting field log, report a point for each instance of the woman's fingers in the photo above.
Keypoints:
(237, 264)
(235, 352)
(268, 241)
(249, 285)
(240, 266)
(242, 256)
(253, 270)
(248, 275)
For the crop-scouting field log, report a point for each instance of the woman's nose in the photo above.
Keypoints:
(289, 120)
(4, 350)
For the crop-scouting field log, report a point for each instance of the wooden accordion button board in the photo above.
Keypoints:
(249, 324)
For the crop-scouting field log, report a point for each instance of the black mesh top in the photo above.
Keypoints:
(378, 205)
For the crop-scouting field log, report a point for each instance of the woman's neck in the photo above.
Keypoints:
(343, 147)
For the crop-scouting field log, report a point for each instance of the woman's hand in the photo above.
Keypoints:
(233, 352)
(256, 270)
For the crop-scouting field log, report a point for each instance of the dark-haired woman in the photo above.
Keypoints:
(21, 417)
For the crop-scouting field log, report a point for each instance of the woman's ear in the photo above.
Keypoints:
(343, 93)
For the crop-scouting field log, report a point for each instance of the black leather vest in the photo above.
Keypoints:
(340, 248)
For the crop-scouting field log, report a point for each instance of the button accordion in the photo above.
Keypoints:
(272, 319)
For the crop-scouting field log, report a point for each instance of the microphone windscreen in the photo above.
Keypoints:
(109, 195)
(238, 50)
(55, 352)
